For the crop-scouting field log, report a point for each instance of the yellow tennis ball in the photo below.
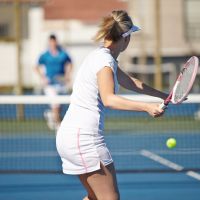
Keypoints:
(171, 143)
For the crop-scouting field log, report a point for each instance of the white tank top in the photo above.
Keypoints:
(86, 109)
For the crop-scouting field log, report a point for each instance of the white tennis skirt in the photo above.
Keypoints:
(81, 151)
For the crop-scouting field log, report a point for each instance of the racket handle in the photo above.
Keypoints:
(163, 106)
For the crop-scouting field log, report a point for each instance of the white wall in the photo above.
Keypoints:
(8, 64)
(74, 36)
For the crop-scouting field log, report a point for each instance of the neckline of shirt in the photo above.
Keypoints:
(108, 51)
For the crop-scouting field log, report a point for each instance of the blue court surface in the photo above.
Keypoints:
(132, 186)
(169, 175)
(30, 167)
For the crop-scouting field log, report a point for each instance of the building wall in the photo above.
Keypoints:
(76, 23)
(74, 35)
(87, 10)
(173, 28)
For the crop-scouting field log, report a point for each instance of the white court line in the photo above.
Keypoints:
(179, 152)
(28, 154)
(161, 160)
(168, 163)
(51, 154)
(125, 153)
(193, 175)
(114, 153)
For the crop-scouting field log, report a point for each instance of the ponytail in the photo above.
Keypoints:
(113, 26)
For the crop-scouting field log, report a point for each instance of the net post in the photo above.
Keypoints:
(157, 56)
(18, 89)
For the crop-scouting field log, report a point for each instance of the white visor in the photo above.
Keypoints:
(133, 29)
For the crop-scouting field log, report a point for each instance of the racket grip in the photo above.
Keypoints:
(163, 106)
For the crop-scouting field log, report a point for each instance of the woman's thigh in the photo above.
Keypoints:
(102, 184)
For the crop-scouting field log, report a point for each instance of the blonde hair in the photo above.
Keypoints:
(113, 26)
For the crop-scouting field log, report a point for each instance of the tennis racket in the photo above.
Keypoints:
(183, 83)
(65, 85)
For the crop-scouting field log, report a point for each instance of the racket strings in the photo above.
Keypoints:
(184, 82)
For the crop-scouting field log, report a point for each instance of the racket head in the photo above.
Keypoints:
(185, 81)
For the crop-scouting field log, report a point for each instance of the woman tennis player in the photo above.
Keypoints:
(80, 140)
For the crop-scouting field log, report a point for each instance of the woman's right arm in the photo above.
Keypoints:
(105, 81)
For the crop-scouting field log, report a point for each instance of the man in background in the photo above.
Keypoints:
(55, 69)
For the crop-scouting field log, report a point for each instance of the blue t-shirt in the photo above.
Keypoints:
(54, 64)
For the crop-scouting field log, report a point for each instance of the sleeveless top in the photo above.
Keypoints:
(86, 108)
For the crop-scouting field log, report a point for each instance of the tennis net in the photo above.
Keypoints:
(136, 140)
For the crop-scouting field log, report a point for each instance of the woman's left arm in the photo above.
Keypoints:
(136, 85)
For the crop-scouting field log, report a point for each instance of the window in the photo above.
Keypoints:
(8, 23)
(4, 30)
(192, 20)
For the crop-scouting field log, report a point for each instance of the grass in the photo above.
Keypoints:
(157, 125)
(117, 125)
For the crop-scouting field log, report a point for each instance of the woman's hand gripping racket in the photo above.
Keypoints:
(183, 83)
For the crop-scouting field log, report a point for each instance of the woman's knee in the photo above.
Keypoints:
(89, 198)
(111, 196)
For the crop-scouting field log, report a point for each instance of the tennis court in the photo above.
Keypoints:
(31, 169)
